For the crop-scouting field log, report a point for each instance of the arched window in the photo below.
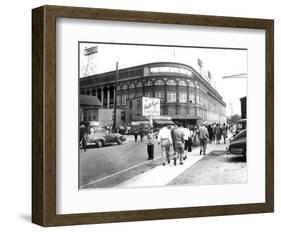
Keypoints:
(159, 82)
(118, 87)
(148, 83)
(139, 84)
(182, 83)
(124, 86)
(132, 86)
(171, 82)
(191, 84)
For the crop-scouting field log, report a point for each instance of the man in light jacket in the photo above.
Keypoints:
(164, 138)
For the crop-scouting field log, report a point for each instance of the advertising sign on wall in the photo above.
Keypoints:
(150, 106)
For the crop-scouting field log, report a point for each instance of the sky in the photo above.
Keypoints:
(219, 62)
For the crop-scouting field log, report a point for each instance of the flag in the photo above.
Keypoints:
(200, 63)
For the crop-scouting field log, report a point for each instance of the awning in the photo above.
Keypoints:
(163, 122)
(87, 100)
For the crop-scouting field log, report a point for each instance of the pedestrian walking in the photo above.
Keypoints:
(150, 144)
(214, 132)
(136, 135)
(83, 137)
(210, 131)
(173, 139)
(187, 138)
(141, 134)
(224, 132)
(189, 145)
(178, 141)
(203, 137)
(165, 140)
(218, 133)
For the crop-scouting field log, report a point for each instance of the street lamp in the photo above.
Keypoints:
(115, 97)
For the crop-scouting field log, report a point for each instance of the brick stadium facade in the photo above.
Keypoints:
(185, 95)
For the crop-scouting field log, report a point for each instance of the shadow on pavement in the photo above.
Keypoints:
(218, 152)
(236, 159)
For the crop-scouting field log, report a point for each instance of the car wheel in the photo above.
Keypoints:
(119, 141)
(99, 143)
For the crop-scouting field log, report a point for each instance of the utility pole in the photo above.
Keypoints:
(115, 97)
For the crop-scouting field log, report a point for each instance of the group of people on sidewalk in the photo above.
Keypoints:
(218, 132)
(178, 137)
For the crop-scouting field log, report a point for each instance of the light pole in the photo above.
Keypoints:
(115, 97)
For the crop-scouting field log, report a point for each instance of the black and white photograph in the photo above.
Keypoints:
(161, 115)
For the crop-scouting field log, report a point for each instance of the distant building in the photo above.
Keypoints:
(91, 110)
(184, 94)
(89, 106)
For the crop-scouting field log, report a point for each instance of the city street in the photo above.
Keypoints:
(126, 165)
(113, 164)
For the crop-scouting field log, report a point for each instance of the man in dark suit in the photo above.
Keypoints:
(203, 137)
(178, 142)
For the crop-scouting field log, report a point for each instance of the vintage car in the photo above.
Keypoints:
(238, 144)
(100, 137)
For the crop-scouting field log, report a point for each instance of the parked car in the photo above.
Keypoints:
(238, 144)
(101, 137)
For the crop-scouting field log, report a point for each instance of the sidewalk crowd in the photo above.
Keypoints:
(176, 141)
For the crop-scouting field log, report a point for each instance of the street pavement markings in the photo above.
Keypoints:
(161, 175)
(116, 173)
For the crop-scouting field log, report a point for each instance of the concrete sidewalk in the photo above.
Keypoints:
(162, 175)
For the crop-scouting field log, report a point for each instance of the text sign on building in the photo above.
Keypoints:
(150, 106)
